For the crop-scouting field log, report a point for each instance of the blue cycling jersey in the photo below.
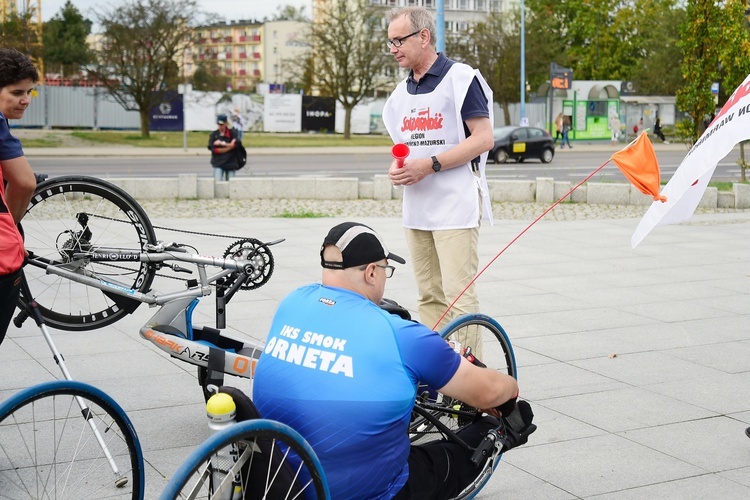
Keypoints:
(344, 374)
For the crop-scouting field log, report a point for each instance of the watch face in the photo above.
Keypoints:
(436, 164)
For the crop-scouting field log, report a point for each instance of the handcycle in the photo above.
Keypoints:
(93, 259)
(265, 444)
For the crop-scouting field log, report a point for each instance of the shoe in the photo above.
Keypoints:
(518, 426)
(747, 432)
(666, 142)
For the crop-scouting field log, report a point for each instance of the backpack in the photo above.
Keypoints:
(241, 154)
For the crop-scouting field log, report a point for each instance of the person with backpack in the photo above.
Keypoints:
(224, 144)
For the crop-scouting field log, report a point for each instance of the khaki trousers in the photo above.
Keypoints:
(444, 263)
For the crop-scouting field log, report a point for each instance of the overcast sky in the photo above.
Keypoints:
(228, 9)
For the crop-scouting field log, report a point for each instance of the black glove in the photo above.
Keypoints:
(518, 426)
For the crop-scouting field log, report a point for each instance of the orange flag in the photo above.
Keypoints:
(638, 162)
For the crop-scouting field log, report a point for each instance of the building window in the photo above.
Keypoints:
(496, 6)
(462, 4)
(429, 4)
(480, 5)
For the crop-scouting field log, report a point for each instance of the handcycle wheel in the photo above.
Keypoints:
(81, 215)
(49, 450)
(496, 353)
(269, 460)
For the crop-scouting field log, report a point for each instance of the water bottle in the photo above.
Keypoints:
(221, 412)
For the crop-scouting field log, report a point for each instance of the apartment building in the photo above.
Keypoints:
(249, 52)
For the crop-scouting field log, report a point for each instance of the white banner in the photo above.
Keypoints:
(686, 187)
(282, 113)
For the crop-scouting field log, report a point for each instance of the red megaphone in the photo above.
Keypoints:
(400, 152)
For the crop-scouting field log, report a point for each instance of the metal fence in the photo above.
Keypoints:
(77, 107)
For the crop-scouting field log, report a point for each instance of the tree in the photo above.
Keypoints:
(290, 13)
(348, 52)
(141, 42)
(19, 32)
(715, 43)
(607, 40)
(209, 77)
(493, 47)
(65, 46)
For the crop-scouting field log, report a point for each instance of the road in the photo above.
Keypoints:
(570, 166)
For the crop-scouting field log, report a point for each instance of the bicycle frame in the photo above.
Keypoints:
(171, 328)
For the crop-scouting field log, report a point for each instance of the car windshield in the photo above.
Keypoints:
(502, 132)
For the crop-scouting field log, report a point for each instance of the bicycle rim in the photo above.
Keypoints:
(80, 215)
(495, 351)
(49, 450)
(269, 460)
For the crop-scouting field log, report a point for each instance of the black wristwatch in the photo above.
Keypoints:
(436, 166)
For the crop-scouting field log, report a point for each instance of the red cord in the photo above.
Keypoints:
(517, 237)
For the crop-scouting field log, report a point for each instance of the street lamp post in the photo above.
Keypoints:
(440, 28)
(523, 62)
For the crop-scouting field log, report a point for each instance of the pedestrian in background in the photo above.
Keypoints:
(658, 132)
(614, 126)
(239, 121)
(222, 143)
(565, 132)
(442, 111)
(558, 127)
(17, 182)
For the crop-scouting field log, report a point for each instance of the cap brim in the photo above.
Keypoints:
(393, 256)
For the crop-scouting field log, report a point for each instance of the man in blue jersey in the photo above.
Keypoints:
(344, 373)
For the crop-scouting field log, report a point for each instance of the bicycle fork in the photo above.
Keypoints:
(33, 311)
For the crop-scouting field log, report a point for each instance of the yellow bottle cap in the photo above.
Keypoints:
(221, 405)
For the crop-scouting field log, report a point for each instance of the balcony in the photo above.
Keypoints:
(214, 40)
(228, 39)
(243, 55)
(243, 39)
(228, 72)
(243, 72)
(256, 55)
(256, 72)
(255, 38)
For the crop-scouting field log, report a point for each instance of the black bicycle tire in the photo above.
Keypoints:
(34, 394)
(419, 426)
(246, 431)
(68, 186)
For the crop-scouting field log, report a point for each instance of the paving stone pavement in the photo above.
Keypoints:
(635, 361)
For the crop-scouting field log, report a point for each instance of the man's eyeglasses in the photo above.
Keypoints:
(397, 42)
(388, 269)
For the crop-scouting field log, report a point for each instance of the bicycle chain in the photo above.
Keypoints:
(164, 228)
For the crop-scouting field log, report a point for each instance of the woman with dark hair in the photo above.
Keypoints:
(17, 182)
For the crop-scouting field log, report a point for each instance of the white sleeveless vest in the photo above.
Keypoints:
(430, 124)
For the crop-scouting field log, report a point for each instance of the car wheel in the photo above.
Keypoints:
(501, 156)
(547, 155)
